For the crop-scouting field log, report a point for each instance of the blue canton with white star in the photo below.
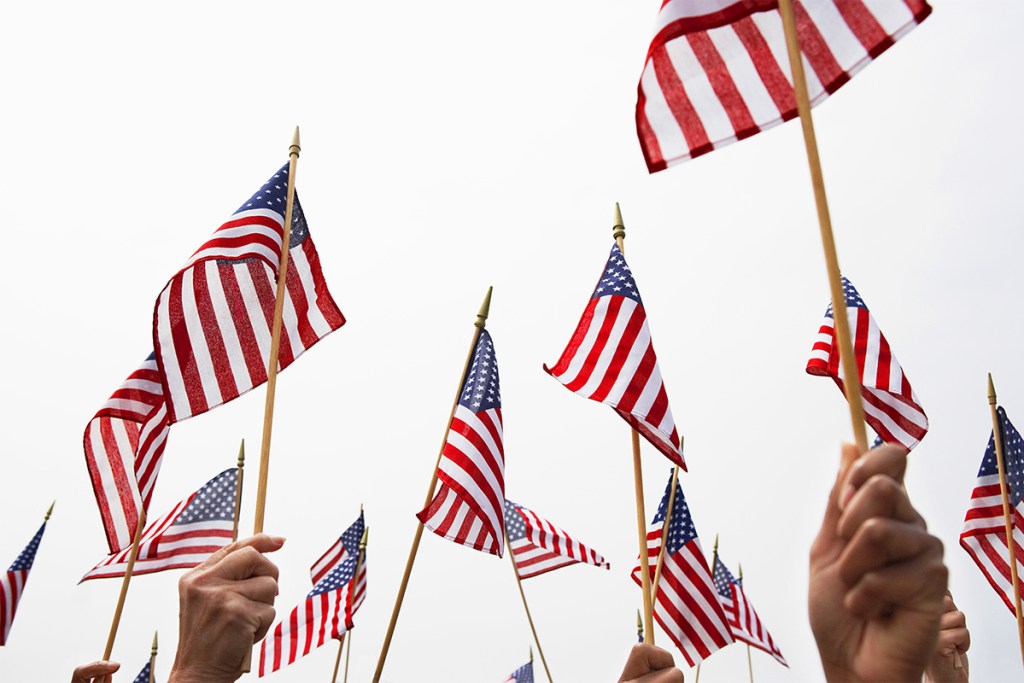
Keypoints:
(1013, 459)
(215, 501)
(515, 525)
(523, 674)
(853, 299)
(143, 676)
(617, 279)
(28, 555)
(680, 528)
(481, 391)
(343, 572)
(273, 196)
(723, 579)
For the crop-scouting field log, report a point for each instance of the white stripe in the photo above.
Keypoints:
(637, 352)
(575, 366)
(744, 75)
(660, 118)
(226, 325)
(893, 16)
(869, 374)
(250, 250)
(197, 336)
(688, 9)
(604, 359)
(108, 482)
(702, 96)
(842, 42)
(257, 322)
(315, 316)
(176, 394)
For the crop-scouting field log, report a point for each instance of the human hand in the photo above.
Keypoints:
(97, 672)
(650, 664)
(877, 579)
(953, 638)
(226, 604)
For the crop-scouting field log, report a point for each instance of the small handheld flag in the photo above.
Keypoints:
(12, 583)
(746, 626)
(539, 546)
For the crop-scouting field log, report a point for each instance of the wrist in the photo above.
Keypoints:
(181, 674)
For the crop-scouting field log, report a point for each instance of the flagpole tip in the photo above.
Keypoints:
(49, 512)
(991, 391)
(295, 148)
(154, 642)
(740, 567)
(485, 309)
(362, 541)
(241, 455)
(715, 551)
(619, 229)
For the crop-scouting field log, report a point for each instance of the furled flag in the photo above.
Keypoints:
(328, 609)
(686, 605)
(743, 620)
(143, 676)
(984, 532)
(212, 322)
(611, 359)
(193, 530)
(469, 507)
(12, 583)
(124, 445)
(539, 546)
(523, 674)
(718, 71)
(890, 404)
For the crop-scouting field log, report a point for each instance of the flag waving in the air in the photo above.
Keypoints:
(743, 620)
(539, 546)
(12, 583)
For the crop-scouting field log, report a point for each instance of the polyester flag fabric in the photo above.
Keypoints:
(328, 609)
(984, 532)
(890, 405)
(143, 676)
(469, 506)
(12, 583)
(539, 546)
(743, 620)
(194, 529)
(718, 71)
(124, 445)
(212, 322)
(523, 674)
(686, 605)
(610, 358)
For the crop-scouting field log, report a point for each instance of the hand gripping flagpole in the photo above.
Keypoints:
(481, 322)
(619, 233)
(664, 535)
(275, 338)
(851, 374)
(519, 582)
(351, 598)
(152, 661)
(997, 435)
(124, 583)
(238, 490)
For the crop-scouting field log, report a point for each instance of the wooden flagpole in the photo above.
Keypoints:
(275, 338)
(619, 233)
(519, 582)
(337, 660)
(238, 490)
(351, 597)
(639, 627)
(851, 374)
(124, 584)
(481, 322)
(664, 535)
(152, 661)
(997, 435)
(348, 654)
(750, 661)
(697, 677)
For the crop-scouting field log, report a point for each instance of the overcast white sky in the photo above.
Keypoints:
(448, 147)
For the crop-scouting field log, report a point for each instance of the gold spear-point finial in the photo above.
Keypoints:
(485, 309)
(619, 229)
(715, 551)
(49, 512)
(741, 572)
(295, 148)
(241, 455)
(531, 653)
(991, 391)
(362, 541)
(154, 643)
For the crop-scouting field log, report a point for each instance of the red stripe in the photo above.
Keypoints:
(297, 293)
(772, 75)
(817, 52)
(679, 103)
(267, 296)
(254, 361)
(324, 301)
(611, 314)
(623, 348)
(97, 486)
(660, 406)
(211, 332)
(182, 347)
(864, 25)
(472, 464)
(722, 83)
(638, 382)
(653, 155)
(884, 363)
(121, 481)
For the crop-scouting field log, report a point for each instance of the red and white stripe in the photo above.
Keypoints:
(546, 547)
(747, 627)
(984, 537)
(890, 405)
(717, 71)
(687, 605)
(469, 507)
(311, 624)
(12, 585)
(124, 445)
(611, 359)
(213, 326)
(334, 556)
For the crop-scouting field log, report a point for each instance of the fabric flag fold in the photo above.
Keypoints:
(718, 71)
(890, 405)
(523, 674)
(143, 676)
(743, 620)
(984, 532)
(610, 359)
(539, 546)
(195, 528)
(327, 611)
(212, 321)
(468, 508)
(686, 604)
(12, 583)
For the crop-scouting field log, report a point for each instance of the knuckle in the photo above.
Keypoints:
(876, 530)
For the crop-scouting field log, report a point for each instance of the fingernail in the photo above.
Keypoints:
(846, 496)
(278, 539)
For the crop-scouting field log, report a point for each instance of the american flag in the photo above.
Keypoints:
(12, 583)
(193, 529)
(523, 674)
(328, 609)
(743, 620)
(539, 546)
(469, 507)
(143, 676)
(890, 404)
(718, 71)
(124, 445)
(212, 323)
(611, 359)
(687, 605)
(984, 532)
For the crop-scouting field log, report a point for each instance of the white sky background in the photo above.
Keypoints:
(448, 147)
